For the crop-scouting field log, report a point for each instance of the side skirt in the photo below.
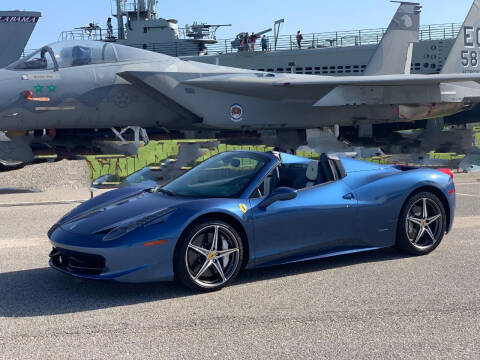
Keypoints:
(315, 257)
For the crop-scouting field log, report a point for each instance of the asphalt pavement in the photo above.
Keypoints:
(375, 305)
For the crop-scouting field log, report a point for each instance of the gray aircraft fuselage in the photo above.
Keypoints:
(90, 96)
(63, 93)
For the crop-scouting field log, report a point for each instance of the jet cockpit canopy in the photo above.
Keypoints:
(67, 54)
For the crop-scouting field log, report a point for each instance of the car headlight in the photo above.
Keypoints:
(124, 228)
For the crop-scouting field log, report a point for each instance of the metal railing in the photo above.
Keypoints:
(97, 34)
(338, 39)
(284, 42)
(176, 48)
(198, 31)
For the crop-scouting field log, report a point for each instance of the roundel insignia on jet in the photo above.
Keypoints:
(407, 21)
(122, 99)
(236, 113)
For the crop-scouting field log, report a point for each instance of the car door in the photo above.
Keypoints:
(319, 219)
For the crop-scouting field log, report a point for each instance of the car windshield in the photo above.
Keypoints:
(223, 176)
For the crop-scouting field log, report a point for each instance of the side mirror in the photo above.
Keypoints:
(102, 182)
(279, 194)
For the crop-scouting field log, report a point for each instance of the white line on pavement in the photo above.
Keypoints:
(61, 202)
(469, 195)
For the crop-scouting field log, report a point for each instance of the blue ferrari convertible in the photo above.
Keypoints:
(252, 209)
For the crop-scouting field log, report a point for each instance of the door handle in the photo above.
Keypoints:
(349, 196)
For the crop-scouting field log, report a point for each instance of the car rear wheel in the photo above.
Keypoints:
(209, 256)
(422, 224)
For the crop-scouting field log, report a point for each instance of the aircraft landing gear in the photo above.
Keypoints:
(138, 131)
(124, 147)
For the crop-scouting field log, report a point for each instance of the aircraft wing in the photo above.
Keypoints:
(244, 81)
(347, 90)
(321, 91)
(140, 80)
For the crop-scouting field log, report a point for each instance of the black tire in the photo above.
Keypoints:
(195, 251)
(411, 238)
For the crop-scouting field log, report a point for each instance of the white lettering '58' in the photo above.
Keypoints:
(469, 58)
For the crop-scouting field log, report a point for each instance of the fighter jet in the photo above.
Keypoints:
(105, 85)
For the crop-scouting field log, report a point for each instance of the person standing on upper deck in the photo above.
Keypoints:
(264, 43)
(247, 41)
(299, 39)
(253, 40)
(109, 28)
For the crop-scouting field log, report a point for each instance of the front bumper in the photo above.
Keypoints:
(124, 261)
(77, 263)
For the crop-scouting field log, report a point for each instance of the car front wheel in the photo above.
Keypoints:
(422, 224)
(209, 256)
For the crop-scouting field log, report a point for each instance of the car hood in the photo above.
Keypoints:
(121, 208)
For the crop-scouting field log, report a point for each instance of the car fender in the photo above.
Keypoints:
(237, 209)
(444, 189)
(382, 195)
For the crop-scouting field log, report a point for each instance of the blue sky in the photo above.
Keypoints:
(307, 15)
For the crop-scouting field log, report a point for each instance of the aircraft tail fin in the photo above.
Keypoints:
(465, 54)
(16, 27)
(394, 53)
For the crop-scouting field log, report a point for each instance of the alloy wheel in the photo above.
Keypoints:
(212, 256)
(423, 224)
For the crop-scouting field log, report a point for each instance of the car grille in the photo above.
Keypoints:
(77, 263)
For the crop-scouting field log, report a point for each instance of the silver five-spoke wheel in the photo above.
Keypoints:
(212, 256)
(423, 223)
